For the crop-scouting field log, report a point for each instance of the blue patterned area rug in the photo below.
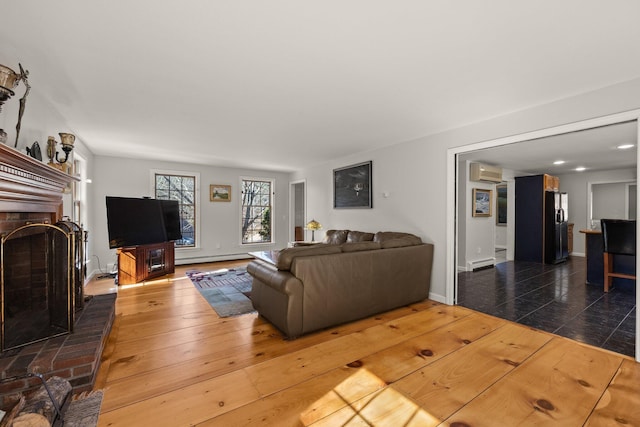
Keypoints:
(228, 291)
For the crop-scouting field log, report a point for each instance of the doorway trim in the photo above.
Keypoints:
(452, 189)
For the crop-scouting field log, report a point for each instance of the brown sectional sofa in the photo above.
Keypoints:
(350, 276)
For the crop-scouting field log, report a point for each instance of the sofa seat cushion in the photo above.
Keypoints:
(286, 256)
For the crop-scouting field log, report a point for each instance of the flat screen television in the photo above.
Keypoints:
(140, 221)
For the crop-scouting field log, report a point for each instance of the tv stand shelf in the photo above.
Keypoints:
(139, 263)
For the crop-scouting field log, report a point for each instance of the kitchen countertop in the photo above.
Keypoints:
(591, 231)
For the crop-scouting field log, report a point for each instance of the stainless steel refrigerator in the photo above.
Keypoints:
(555, 240)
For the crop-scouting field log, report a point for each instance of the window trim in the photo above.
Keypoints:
(273, 209)
(196, 175)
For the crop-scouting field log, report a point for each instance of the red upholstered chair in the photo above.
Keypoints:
(619, 238)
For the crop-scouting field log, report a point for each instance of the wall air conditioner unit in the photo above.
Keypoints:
(482, 172)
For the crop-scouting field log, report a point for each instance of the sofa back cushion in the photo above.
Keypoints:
(391, 239)
(336, 237)
(286, 256)
(359, 236)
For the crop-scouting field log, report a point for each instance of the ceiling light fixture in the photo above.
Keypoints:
(580, 169)
(559, 162)
(624, 146)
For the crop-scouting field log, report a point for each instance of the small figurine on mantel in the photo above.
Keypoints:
(51, 150)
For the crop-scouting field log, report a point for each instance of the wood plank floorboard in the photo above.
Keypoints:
(170, 360)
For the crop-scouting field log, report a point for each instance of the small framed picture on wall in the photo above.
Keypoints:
(481, 202)
(219, 193)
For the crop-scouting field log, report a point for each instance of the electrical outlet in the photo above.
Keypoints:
(479, 250)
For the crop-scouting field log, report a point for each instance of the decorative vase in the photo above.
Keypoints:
(8, 78)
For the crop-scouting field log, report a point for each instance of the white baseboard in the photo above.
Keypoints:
(481, 263)
(437, 297)
(214, 258)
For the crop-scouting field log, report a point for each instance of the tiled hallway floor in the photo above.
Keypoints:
(556, 299)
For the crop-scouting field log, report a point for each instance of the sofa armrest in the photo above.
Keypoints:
(282, 281)
(277, 296)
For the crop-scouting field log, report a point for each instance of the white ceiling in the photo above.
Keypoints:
(284, 84)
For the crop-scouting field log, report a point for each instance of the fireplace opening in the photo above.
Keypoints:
(42, 277)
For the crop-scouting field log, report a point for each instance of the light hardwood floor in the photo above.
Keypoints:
(171, 361)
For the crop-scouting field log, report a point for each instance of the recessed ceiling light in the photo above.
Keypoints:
(559, 162)
(624, 146)
(580, 169)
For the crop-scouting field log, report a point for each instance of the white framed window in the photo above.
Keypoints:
(257, 210)
(79, 191)
(183, 187)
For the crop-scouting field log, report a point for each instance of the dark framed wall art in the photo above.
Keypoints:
(352, 186)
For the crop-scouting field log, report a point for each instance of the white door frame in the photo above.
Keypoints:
(451, 284)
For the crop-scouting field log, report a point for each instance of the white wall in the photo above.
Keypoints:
(576, 187)
(501, 237)
(480, 232)
(478, 238)
(219, 225)
(414, 173)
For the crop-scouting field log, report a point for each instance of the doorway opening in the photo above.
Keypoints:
(298, 207)
(457, 228)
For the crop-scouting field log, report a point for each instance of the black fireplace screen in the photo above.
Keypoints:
(41, 280)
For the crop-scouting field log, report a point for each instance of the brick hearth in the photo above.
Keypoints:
(75, 357)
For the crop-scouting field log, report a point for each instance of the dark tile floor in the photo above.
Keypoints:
(556, 299)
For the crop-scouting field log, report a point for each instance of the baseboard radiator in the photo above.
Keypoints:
(481, 264)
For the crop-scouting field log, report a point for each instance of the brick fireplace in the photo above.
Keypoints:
(47, 327)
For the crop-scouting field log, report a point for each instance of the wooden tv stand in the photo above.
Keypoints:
(139, 263)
